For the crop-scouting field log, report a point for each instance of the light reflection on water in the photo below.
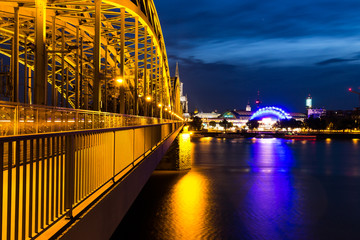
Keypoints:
(189, 207)
(269, 155)
(254, 189)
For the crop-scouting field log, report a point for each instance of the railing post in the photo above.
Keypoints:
(37, 120)
(69, 173)
(16, 120)
(133, 147)
(114, 158)
(144, 149)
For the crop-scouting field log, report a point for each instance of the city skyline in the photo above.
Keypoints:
(286, 50)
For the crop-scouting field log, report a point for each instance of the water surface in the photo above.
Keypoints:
(253, 189)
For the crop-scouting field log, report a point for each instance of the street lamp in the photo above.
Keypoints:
(119, 80)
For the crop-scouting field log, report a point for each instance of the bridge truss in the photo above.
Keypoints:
(106, 55)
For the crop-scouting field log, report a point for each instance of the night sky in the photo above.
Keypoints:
(228, 50)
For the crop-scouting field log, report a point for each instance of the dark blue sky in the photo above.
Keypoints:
(229, 49)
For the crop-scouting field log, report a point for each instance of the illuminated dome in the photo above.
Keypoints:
(270, 112)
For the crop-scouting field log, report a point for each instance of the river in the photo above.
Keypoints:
(253, 189)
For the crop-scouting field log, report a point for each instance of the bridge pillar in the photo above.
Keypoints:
(178, 156)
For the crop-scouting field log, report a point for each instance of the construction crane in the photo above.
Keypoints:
(356, 92)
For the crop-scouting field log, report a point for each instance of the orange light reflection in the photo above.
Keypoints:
(190, 206)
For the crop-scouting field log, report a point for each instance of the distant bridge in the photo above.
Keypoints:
(87, 110)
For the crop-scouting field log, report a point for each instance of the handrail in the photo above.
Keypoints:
(66, 133)
(19, 119)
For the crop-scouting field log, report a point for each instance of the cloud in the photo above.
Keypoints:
(277, 32)
(228, 50)
(335, 60)
(271, 52)
(196, 20)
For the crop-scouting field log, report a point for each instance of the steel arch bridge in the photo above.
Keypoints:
(104, 55)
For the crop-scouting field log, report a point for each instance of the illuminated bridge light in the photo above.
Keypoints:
(266, 111)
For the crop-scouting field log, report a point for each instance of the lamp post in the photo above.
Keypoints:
(120, 82)
(160, 108)
(119, 92)
(148, 100)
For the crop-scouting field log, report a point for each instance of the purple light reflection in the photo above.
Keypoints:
(272, 200)
(271, 155)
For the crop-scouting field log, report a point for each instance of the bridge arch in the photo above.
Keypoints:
(270, 111)
(83, 62)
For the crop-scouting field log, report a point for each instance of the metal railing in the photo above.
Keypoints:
(45, 177)
(17, 119)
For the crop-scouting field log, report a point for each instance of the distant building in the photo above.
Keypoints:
(240, 118)
(316, 112)
(184, 105)
(183, 98)
(298, 116)
(248, 107)
(211, 115)
(309, 102)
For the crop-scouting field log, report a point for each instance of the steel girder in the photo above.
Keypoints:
(81, 53)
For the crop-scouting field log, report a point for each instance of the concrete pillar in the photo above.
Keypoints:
(178, 156)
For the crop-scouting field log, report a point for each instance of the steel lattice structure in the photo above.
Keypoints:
(72, 52)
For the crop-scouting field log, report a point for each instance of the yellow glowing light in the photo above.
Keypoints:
(185, 136)
(328, 140)
(166, 109)
(120, 80)
(190, 206)
(186, 128)
(148, 98)
(205, 139)
(355, 140)
(159, 105)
